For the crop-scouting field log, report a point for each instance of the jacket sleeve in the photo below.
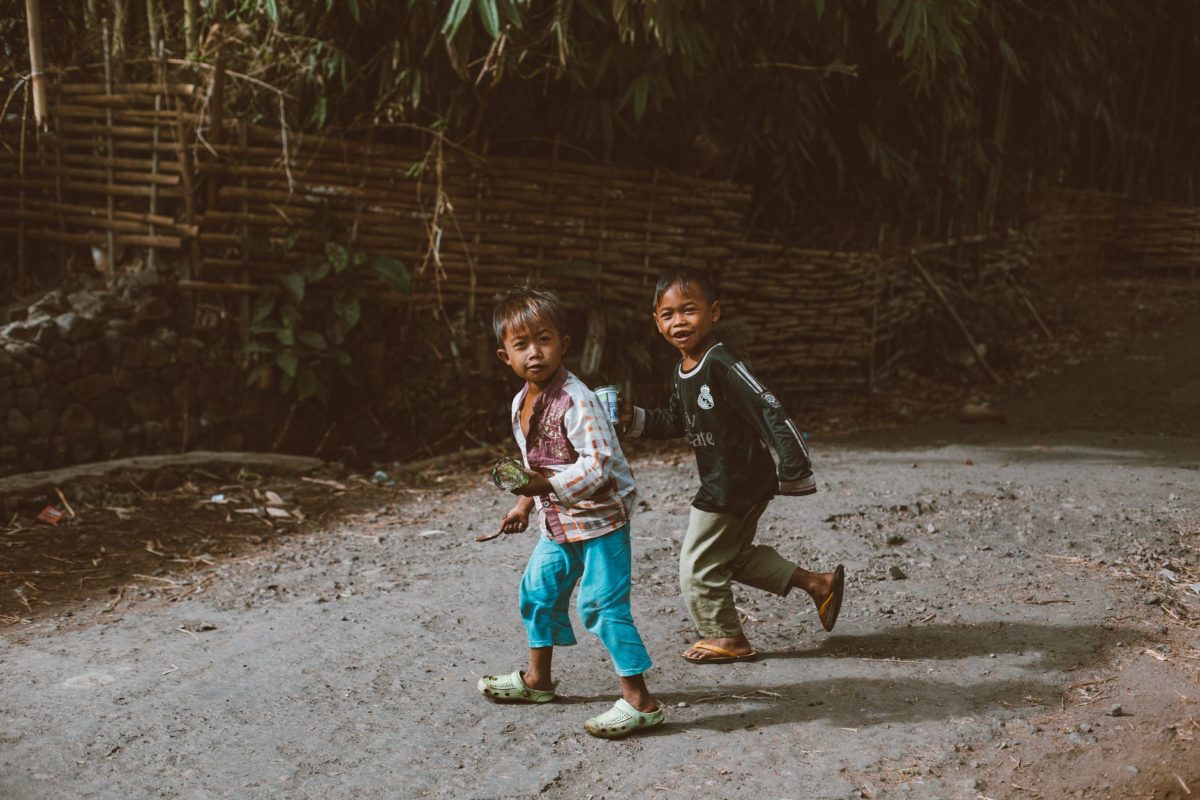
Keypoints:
(592, 436)
(658, 423)
(763, 412)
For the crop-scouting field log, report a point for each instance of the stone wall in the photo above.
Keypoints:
(96, 374)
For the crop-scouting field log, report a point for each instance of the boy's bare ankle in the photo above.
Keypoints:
(535, 681)
(642, 701)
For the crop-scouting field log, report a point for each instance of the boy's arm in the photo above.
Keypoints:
(764, 413)
(592, 436)
(658, 423)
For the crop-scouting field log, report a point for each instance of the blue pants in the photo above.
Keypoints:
(602, 568)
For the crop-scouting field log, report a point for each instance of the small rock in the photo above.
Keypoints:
(1152, 599)
(1115, 711)
(896, 573)
(681, 704)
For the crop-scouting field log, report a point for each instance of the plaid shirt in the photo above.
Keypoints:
(573, 445)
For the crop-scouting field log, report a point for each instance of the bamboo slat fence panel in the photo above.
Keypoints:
(139, 164)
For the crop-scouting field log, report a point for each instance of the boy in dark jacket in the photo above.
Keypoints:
(732, 423)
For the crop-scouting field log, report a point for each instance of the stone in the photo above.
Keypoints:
(17, 424)
(22, 376)
(27, 399)
(77, 419)
(6, 363)
(897, 573)
(184, 395)
(43, 422)
(64, 371)
(130, 379)
(111, 407)
(89, 388)
(188, 352)
(135, 354)
(154, 431)
(46, 335)
(84, 449)
(54, 396)
(21, 331)
(157, 354)
(90, 355)
(74, 327)
(151, 309)
(114, 344)
(60, 351)
(39, 370)
(146, 403)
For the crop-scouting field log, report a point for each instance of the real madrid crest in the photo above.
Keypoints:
(705, 400)
(770, 400)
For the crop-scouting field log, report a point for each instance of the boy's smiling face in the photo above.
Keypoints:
(685, 317)
(534, 353)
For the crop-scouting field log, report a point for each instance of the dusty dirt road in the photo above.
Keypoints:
(1020, 622)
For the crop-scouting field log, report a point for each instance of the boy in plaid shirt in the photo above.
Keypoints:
(584, 489)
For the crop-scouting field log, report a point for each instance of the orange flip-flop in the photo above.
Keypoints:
(720, 654)
(830, 607)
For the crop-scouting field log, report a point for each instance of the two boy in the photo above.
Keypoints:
(586, 495)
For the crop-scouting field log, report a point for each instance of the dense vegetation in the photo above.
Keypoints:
(931, 115)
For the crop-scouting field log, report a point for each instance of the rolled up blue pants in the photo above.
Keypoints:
(602, 568)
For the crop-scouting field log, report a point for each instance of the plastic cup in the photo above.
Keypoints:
(509, 474)
(608, 397)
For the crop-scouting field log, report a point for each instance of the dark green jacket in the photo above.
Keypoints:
(733, 423)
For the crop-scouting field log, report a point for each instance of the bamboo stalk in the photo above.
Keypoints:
(37, 77)
(111, 266)
(937, 290)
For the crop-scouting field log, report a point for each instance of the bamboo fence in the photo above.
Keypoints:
(158, 164)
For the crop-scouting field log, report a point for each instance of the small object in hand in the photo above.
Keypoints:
(509, 474)
(608, 395)
(487, 537)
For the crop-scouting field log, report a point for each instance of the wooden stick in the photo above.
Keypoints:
(937, 290)
(1029, 304)
(216, 286)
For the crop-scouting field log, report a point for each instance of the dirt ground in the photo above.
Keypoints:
(1022, 616)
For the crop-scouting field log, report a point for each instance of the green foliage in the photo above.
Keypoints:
(300, 328)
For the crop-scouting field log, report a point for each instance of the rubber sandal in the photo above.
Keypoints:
(511, 689)
(830, 607)
(623, 719)
(720, 654)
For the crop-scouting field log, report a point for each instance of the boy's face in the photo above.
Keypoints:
(534, 354)
(685, 318)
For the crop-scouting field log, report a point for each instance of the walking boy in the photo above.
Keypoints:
(730, 419)
(586, 495)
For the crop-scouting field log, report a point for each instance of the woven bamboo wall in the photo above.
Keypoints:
(1082, 230)
(142, 163)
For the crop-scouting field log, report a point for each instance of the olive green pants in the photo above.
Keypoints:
(717, 550)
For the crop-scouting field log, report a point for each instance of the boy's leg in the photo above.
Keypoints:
(605, 611)
(759, 565)
(545, 596)
(709, 546)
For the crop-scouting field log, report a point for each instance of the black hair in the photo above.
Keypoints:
(685, 278)
(522, 306)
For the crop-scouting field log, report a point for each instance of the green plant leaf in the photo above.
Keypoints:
(313, 339)
(489, 15)
(454, 18)
(354, 11)
(286, 336)
(340, 356)
(272, 9)
(287, 362)
(259, 373)
(317, 270)
(349, 311)
(294, 283)
(393, 271)
(511, 13)
(337, 255)
(251, 348)
(263, 307)
(306, 384)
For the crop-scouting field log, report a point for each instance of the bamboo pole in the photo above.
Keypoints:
(158, 98)
(111, 266)
(21, 253)
(33, 20)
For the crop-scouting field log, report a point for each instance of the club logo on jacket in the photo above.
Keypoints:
(770, 400)
(705, 400)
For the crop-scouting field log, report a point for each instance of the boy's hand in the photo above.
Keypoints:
(536, 487)
(515, 521)
(625, 414)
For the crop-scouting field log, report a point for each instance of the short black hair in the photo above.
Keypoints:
(523, 306)
(685, 278)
